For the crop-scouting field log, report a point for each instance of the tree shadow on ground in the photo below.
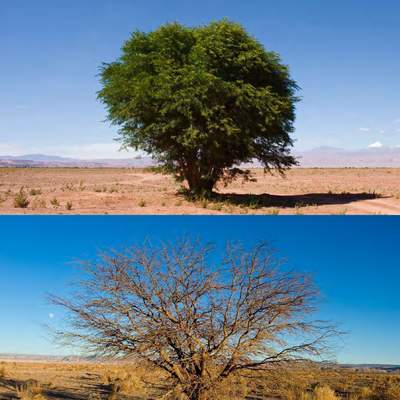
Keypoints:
(292, 201)
(11, 385)
(87, 387)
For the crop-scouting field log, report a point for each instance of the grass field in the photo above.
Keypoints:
(75, 381)
(141, 191)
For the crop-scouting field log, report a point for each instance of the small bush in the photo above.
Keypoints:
(35, 192)
(21, 199)
(54, 202)
(68, 206)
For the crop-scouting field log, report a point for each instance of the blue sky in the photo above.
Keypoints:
(354, 260)
(344, 55)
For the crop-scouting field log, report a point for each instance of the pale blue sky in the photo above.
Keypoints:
(344, 55)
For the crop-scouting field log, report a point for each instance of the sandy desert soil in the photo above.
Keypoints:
(27, 379)
(48, 380)
(141, 191)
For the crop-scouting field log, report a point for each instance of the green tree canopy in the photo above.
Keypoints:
(202, 101)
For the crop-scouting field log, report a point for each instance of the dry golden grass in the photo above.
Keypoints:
(141, 191)
(76, 381)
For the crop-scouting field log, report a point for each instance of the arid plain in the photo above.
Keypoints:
(43, 380)
(142, 191)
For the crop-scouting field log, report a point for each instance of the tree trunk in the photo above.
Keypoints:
(201, 181)
(198, 394)
(201, 187)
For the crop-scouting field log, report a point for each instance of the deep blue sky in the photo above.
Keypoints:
(344, 54)
(354, 260)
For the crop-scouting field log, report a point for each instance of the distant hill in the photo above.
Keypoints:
(321, 157)
(331, 157)
(72, 358)
(37, 157)
(42, 160)
(379, 367)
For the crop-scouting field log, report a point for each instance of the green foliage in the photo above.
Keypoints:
(202, 101)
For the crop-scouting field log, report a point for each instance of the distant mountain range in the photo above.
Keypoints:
(39, 357)
(379, 367)
(326, 157)
(321, 157)
(54, 358)
(42, 160)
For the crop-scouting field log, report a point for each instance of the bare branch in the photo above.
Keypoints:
(197, 319)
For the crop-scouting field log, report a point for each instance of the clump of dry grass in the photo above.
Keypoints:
(323, 393)
(235, 387)
(30, 390)
(35, 192)
(127, 381)
(393, 391)
(3, 371)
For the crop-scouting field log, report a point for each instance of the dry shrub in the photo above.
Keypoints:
(393, 391)
(235, 387)
(3, 371)
(364, 393)
(21, 199)
(128, 381)
(30, 390)
(94, 396)
(324, 393)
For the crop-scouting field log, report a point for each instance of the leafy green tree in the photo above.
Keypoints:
(202, 101)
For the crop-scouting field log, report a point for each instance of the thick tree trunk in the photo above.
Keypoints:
(201, 181)
(198, 394)
(200, 187)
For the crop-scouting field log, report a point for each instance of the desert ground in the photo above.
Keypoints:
(142, 191)
(41, 380)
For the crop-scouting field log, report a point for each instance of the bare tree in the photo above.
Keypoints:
(198, 317)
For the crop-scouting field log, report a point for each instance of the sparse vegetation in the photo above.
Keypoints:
(30, 390)
(21, 199)
(54, 202)
(35, 192)
(122, 380)
(2, 371)
(100, 189)
(313, 191)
